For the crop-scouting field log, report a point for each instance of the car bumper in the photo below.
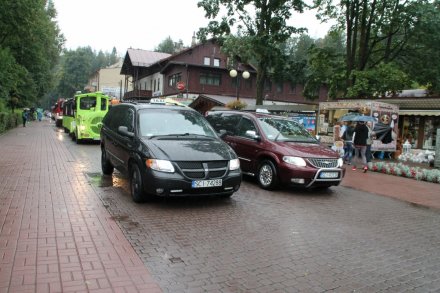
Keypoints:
(166, 184)
(310, 177)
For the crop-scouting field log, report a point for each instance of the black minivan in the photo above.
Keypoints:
(167, 150)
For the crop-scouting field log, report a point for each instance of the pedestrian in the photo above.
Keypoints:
(24, 116)
(347, 137)
(371, 134)
(360, 136)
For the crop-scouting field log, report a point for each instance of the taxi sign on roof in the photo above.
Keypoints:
(158, 101)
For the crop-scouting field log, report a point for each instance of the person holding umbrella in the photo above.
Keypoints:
(360, 136)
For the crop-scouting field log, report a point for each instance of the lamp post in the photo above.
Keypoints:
(233, 73)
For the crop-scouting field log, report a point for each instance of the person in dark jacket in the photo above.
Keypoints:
(347, 136)
(360, 137)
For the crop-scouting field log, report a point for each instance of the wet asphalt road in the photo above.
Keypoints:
(341, 240)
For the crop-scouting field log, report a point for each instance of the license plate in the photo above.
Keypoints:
(329, 175)
(206, 183)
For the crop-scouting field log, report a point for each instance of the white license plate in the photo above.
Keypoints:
(329, 175)
(206, 183)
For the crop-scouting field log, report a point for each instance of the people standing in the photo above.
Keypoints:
(360, 136)
(24, 116)
(347, 136)
(368, 154)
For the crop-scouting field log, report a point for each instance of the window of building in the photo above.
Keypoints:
(268, 85)
(151, 85)
(154, 86)
(174, 79)
(216, 62)
(279, 87)
(210, 78)
(293, 88)
(207, 61)
(158, 84)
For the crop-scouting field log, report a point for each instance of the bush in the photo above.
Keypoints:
(236, 105)
(9, 120)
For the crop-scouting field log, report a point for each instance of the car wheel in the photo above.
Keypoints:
(267, 175)
(136, 185)
(106, 166)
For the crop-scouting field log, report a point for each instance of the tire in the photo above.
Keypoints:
(106, 166)
(136, 184)
(267, 175)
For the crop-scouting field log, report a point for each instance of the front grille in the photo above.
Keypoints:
(323, 163)
(203, 170)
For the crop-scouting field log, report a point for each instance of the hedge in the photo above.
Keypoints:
(9, 120)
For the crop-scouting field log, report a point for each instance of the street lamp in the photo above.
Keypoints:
(233, 73)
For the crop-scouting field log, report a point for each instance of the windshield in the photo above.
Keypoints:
(285, 130)
(162, 122)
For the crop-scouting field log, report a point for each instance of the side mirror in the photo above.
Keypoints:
(253, 134)
(222, 133)
(124, 131)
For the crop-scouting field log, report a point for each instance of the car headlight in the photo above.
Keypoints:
(297, 161)
(160, 165)
(340, 162)
(82, 127)
(234, 164)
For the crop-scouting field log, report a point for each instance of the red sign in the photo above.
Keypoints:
(180, 85)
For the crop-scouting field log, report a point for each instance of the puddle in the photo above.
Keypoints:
(100, 180)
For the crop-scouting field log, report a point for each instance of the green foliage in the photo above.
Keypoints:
(169, 46)
(384, 79)
(405, 34)
(30, 43)
(263, 24)
(9, 120)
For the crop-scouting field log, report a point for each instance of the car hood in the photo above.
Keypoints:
(307, 150)
(189, 150)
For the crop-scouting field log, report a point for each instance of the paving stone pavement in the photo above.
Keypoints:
(57, 236)
(54, 238)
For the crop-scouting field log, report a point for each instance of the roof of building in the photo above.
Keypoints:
(144, 58)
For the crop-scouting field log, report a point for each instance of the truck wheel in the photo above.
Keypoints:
(136, 184)
(106, 166)
(267, 175)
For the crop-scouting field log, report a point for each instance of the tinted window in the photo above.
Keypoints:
(222, 121)
(103, 104)
(244, 126)
(153, 122)
(118, 116)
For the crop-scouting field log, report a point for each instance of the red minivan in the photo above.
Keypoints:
(277, 150)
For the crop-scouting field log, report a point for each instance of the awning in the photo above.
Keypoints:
(419, 112)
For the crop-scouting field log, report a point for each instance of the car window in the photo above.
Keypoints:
(157, 122)
(285, 130)
(103, 104)
(118, 118)
(244, 126)
(127, 120)
(224, 121)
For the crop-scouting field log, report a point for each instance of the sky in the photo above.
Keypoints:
(140, 24)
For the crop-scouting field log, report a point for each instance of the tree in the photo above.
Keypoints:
(169, 46)
(30, 42)
(262, 26)
(379, 32)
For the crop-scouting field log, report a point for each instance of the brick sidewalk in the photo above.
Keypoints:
(422, 193)
(55, 234)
